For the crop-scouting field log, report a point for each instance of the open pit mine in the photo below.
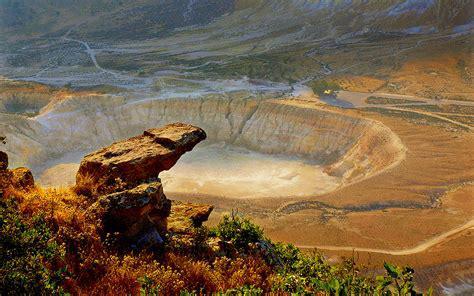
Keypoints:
(255, 147)
(344, 127)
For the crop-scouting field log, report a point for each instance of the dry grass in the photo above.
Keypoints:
(434, 75)
(442, 75)
(360, 83)
(96, 268)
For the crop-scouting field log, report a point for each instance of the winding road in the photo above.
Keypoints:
(434, 115)
(417, 249)
(358, 100)
(91, 54)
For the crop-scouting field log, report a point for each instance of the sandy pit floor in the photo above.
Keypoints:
(220, 171)
(239, 173)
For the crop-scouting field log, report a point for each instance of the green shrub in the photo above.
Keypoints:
(26, 246)
(306, 274)
(243, 291)
(320, 86)
(148, 287)
(240, 231)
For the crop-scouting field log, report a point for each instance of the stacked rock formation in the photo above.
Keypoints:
(19, 178)
(123, 181)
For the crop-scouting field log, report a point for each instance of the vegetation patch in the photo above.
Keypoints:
(451, 108)
(30, 260)
(50, 246)
(323, 87)
(282, 67)
(101, 89)
(388, 101)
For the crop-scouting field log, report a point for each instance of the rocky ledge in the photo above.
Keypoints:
(127, 195)
(128, 163)
(17, 179)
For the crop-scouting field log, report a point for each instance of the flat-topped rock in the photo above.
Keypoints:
(140, 159)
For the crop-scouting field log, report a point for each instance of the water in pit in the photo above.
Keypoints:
(222, 171)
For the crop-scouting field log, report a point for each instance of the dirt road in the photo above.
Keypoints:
(417, 249)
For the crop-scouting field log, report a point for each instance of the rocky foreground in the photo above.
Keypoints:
(117, 233)
(122, 182)
(16, 178)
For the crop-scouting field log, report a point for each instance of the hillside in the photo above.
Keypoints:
(116, 233)
(139, 19)
(199, 43)
(344, 126)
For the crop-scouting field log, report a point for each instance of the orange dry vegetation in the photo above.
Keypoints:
(360, 83)
(432, 75)
(96, 268)
(18, 88)
(445, 75)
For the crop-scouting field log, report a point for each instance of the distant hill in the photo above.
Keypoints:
(121, 19)
(275, 40)
(112, 18)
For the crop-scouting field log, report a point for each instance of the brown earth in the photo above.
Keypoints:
(430, 192)
(29, 98)
(427, 194)
(446, 75)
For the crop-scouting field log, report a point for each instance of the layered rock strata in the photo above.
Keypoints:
(349, 147)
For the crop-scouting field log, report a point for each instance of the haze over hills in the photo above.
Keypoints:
(143, 19)
(285, 41)
(342, 125)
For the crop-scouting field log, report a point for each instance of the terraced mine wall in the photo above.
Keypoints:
(348, 147)
(29, 103)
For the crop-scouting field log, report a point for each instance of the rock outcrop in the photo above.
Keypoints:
(18, 179)
(3, 160)
(22, 178)
(128, 212)
(185, 216)
(128, 199)
(125, 164)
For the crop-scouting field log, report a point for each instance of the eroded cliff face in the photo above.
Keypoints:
(348, 147)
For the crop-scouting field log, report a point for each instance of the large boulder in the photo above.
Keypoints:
(3, 161)
(5, 181)
(22, 178)
(127, 163)
(5, 174)
(126, 193)
(18, 179)
(127, 212)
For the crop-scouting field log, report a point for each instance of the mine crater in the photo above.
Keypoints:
(256, 148)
